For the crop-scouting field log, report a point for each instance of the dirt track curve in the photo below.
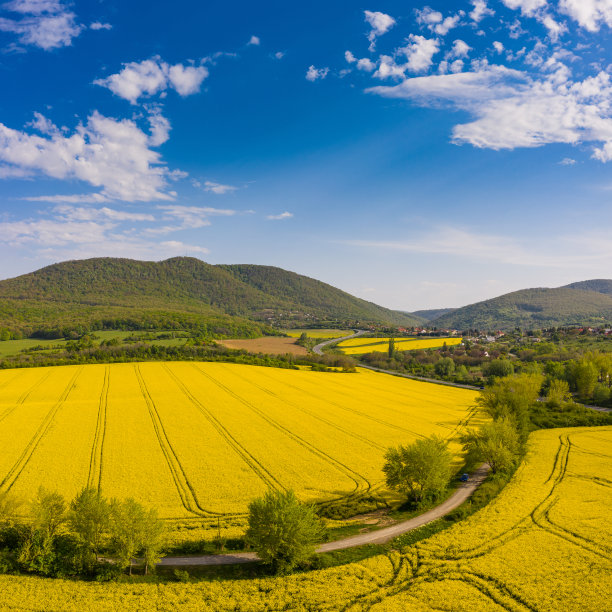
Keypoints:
(380, 536)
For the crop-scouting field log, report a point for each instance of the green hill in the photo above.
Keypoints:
(533, 309)
(600, 285)
(181, 292)
(432, 314)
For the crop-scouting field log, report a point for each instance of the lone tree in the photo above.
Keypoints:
(496, 443)
(282, 530)
(419, 469)
(391, 348)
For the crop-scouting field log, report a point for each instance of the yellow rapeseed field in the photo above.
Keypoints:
(198, 441)
(545, 544)
(359, 346)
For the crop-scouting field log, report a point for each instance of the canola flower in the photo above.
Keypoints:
(544, 544)
(198, 441)
(359, 346)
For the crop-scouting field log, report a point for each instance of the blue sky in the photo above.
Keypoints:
(414, 154)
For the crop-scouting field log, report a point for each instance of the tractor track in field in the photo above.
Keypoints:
(184, 488)
(338, 465)
(310, 413)
(254, 464)
(15, 472)
(23, 397)
(94, 478)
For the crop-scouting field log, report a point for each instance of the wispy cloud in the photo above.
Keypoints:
(47, 24)
(218, 188)
(284, 215)
(571, 251)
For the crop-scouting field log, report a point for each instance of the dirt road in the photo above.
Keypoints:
(380, 536)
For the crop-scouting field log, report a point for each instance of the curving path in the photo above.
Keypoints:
(380, 536)
(318, 349)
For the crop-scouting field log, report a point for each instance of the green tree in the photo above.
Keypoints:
(499, 368)
(391, 349)
(282, 530)
(558, 393)
(584, 374)
(89, 519)
(444, 367)
(48, 512)
(9, 505)
(127, 524)
(512, 397)
(419, 469)
(496, 443)
(153, 535)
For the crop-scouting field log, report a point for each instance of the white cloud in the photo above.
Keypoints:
(312, 74)
(349, 57)
(381, 23)
(285, 215)
(498, 46)
(514, 109)
(555, 28)
(590, 14)
(110, 154)
(47, 24)
(480, 11)
(94, 214)
(98, 25)
(419, 52)
(279, 55)
(527, 7)
(460, 49)
(366, 64)
(153, 76)
(218, 188)
(435, 21)
(188, 217)
(254, 40)
(572, 251)
(567, 161)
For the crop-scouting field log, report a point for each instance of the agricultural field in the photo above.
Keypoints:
(199, 440)
(270, 345)
(544, 544)
(324, 334)
(359, 346)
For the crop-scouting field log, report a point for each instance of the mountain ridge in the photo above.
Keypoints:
(179, 292)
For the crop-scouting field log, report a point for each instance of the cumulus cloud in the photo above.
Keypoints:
(514, 109)
(459, 49)
(567, 161)
(47, 24)
(527, 7)
(498, 46)
(436, 22)
(254, 40)
(380, 23)
(480, 11)
(112, 155)
(313, 74)
(280, 217)
(154, 76)
(590, 14)
(419, 52)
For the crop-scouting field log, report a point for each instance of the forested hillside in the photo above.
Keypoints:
(181, 292)
(533, 309)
